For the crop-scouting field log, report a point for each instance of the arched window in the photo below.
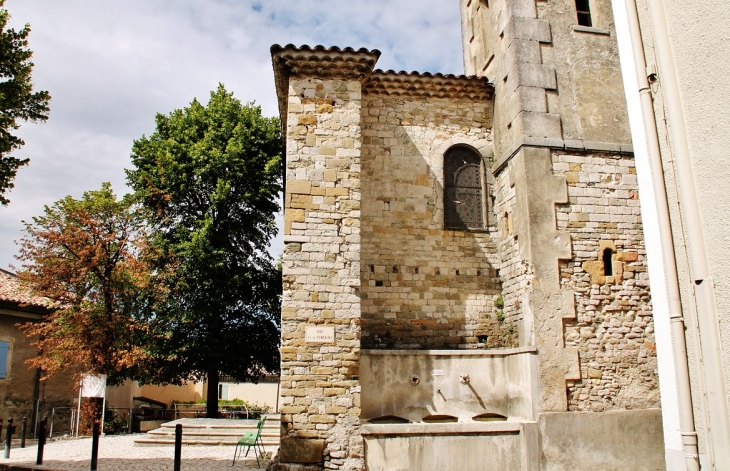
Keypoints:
(464, 189)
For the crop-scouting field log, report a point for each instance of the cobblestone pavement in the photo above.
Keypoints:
(118, 453)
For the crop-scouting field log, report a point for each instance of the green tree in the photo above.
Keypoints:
(17, 100)
(210, 177)
(85, 256)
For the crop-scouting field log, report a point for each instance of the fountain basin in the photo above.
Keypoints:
(483, 446)
(413, 384)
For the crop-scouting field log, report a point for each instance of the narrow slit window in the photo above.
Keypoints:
(584, 12)
(464, 190)
(608, 262)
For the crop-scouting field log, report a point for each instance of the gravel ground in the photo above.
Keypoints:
(118, 453)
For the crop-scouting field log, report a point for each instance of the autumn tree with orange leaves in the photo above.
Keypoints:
(84, 255)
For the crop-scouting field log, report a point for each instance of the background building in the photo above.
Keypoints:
(22, 390)
(673, 55)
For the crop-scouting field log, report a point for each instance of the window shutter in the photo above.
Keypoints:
(4, 349)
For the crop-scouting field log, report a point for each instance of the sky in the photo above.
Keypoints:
(111, 65)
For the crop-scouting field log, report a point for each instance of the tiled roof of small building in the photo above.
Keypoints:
(321, 61)
(12, 292)
(319, 48)
(427, 84)
(318, 61)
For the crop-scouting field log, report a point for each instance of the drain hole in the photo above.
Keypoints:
(439, 419)
(488, 417)
(389, 419)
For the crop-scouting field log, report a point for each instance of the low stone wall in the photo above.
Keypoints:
(497, 452)
(609, 441)
(147, 425)
(466, 446)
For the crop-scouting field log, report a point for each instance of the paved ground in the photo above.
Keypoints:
(118, 453)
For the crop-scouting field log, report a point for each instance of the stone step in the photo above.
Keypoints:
(159, 442)
(221, 428)
(211, 432)
(171, 428)
(271, 420)
(273, 434)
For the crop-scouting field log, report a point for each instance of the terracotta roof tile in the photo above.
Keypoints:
(317, 61)
(319, 48)
(426, 84)
(12, 292)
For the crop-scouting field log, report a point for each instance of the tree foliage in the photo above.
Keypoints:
(18, 102)
(210, 177)
(84, 256)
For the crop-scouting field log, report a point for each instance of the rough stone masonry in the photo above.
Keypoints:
(556, 270)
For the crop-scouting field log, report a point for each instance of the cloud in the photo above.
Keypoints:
(110, 66)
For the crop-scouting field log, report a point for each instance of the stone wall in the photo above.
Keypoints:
(422, 286)
(515, 274)
(614, 330)
(17, 388)
(504, 41)
(556, 81)
(320, 392)
(411, 269)
(590, 97)
(366, 252)
(609, 441)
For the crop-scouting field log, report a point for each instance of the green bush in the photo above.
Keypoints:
(114, 424)
(499, 302)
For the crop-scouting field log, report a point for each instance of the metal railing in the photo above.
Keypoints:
(228, 411)
(233, 411)
(63, 415)
(188, 410)
(118, 420)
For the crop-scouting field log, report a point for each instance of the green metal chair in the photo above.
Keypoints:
(251, 439)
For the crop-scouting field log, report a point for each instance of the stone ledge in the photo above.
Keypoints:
(457, 428)
(564, 144)
(436, 353)
(590, 29)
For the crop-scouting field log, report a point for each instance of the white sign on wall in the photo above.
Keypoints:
(319, 334)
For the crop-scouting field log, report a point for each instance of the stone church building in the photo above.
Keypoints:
(465, 275)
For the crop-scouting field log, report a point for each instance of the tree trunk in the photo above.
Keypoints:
(211, 407)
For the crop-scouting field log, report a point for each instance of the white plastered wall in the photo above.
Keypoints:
(673, 450)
